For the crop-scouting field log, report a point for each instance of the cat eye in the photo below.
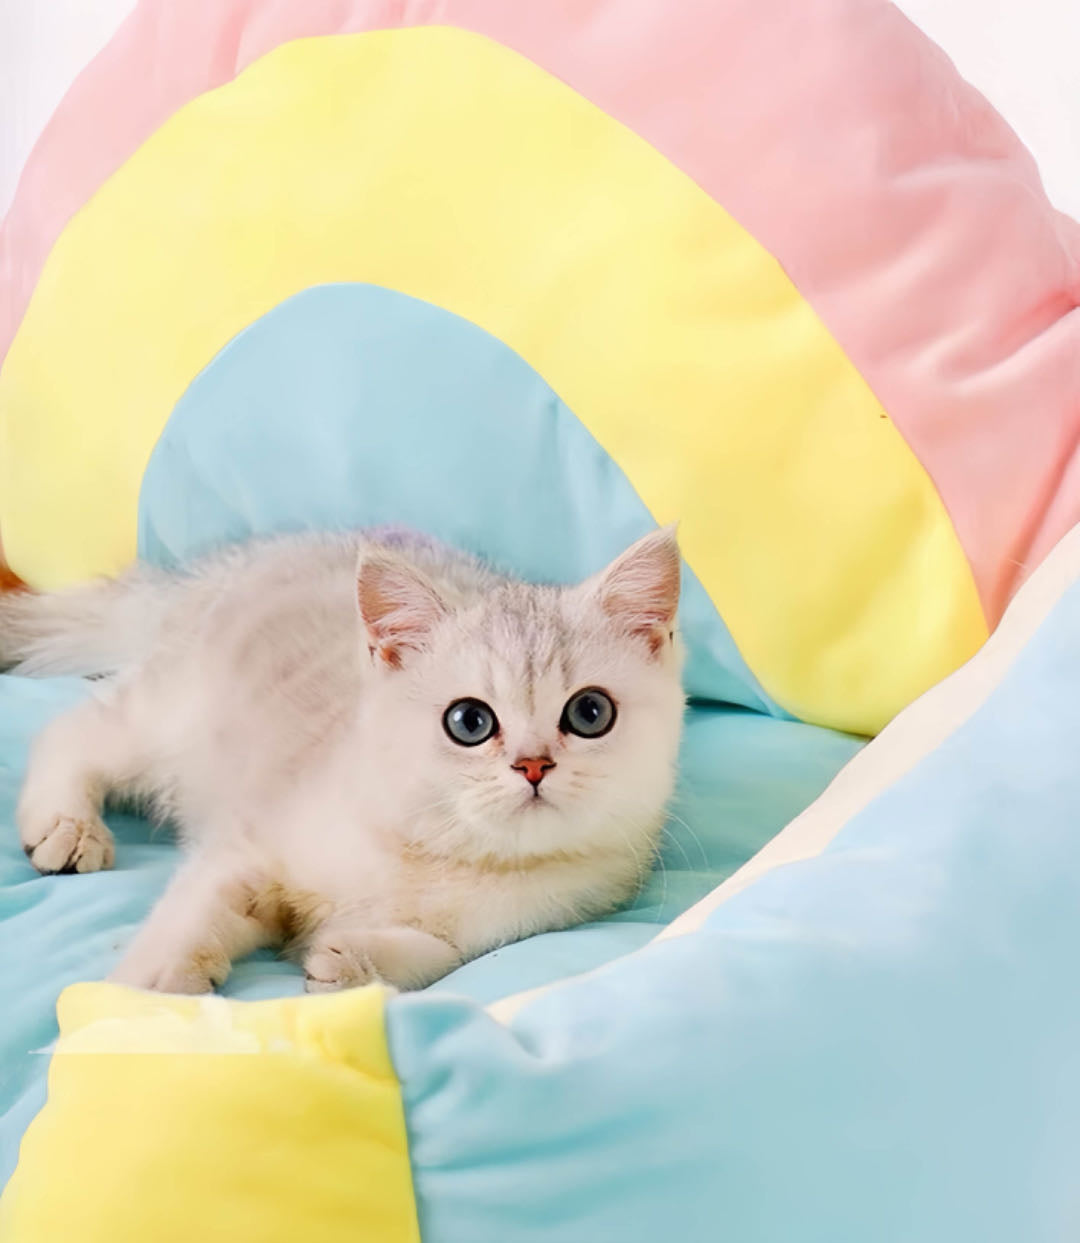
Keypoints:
(589, 714)
(469, 722)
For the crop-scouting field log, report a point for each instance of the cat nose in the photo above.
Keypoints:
(534, 768)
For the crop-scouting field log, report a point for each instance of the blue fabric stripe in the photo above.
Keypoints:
(353, 405)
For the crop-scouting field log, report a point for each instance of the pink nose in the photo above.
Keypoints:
(534, 768)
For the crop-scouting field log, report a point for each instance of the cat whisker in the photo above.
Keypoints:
(705, 863)
(644, 867)
(656, 863)
(668, 835)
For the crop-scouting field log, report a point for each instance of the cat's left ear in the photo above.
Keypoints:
(640, 589)
(398, 606)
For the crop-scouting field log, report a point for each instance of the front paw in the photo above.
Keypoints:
(68, 844)
(333, 963)
(341, 956)
(198, 971)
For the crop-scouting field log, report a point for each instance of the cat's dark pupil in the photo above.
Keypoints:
(589, 709)
(474, 720)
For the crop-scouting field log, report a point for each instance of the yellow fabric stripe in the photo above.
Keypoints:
(179, 1119)
(442, 165)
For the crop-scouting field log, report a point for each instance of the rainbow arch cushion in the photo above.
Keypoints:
(534, 278)
(702, 235)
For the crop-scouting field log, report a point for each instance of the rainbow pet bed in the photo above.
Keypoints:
(535, 277)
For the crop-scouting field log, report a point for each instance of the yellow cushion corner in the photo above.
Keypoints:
(182, 1118)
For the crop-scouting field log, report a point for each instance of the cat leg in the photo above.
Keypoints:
(217, 908)
(76, 759)
(343, 953)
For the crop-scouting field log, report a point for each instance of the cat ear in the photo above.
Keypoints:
(398, 606)
(640, 589)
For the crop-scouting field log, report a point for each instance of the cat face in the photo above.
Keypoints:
(538, 720)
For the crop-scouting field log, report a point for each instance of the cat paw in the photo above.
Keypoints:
(70, 844)
(399, 957)
(329, 967)
(198, 972)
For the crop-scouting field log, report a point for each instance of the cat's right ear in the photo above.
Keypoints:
(398, 606)
(640, 590)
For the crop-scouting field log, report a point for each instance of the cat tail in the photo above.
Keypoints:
(99, 628)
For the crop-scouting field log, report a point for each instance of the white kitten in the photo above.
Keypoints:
(377, 751)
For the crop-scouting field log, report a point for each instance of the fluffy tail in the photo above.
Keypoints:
(97, 629)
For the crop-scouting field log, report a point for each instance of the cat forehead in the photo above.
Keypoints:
(522, 637)
(525, 629)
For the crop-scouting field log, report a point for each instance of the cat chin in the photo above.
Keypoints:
(530, 804)
(527, 828)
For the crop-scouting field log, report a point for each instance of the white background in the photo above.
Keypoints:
(1023, 54)
(43, 45)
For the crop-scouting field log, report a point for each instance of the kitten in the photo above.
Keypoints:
(376, 750)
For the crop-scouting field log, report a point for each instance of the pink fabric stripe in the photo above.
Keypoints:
(901, 205)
